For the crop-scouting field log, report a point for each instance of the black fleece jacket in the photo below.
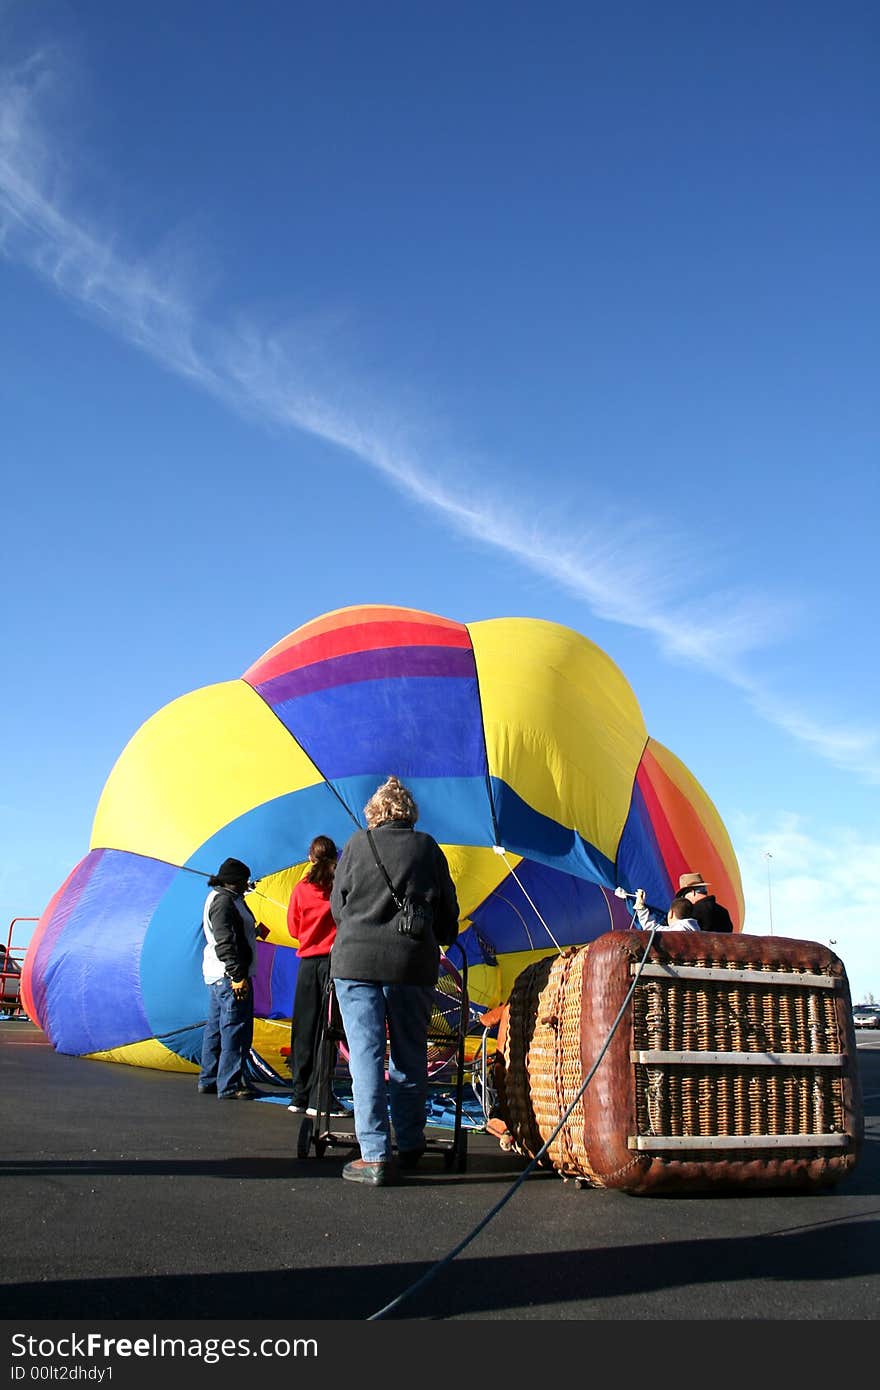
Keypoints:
(368, 945)
(711, 915)
(230, 935)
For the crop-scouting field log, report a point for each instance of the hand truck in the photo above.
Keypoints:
(317, 1131)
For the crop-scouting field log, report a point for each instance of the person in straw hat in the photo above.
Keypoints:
(709, 913)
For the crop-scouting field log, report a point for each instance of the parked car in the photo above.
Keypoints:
(866, 1015)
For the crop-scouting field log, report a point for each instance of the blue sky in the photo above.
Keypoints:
(559, 310)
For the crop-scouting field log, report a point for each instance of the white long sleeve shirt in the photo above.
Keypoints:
(649, 919)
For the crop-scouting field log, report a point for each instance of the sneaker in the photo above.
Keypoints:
(297, 1109)
(243, 1093)
(207, 1090)
(383, 1174)
(336, 1111)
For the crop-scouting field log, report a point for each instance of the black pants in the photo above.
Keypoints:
(309, 1003)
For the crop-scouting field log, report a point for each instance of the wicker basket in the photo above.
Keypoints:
(733, 1063)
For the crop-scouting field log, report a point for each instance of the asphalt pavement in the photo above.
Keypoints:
(129, 1197)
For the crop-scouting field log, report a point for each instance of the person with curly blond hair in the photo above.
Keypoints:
(384, 974)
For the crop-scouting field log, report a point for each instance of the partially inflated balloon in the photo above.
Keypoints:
(526, 752)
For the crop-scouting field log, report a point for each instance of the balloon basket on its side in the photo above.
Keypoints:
(732, 1066)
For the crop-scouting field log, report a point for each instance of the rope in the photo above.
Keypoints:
(266, 899)
(502, 854)
(447, 1259)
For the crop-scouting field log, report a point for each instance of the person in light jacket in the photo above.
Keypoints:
(384, 978)
(229, 963)
(678, 917)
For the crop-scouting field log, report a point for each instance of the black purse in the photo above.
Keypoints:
(415, 917)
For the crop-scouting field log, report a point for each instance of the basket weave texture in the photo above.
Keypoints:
(703, 1086)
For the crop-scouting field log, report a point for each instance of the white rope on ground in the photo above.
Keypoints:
(447, 1259)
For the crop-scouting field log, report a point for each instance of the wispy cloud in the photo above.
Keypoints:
(851, 748)
(262, 375)
(815, 888)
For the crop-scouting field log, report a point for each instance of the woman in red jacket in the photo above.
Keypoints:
(310, 923)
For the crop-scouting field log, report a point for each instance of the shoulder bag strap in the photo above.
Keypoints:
(391, 887)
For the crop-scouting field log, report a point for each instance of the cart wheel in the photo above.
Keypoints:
(304, 1138)
(320, 1146)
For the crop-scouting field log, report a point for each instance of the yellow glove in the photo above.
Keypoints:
(239, 988)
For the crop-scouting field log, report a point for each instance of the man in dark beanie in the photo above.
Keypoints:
(229, 963)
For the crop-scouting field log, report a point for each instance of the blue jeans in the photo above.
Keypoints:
(366, 1010)
(229, 1032)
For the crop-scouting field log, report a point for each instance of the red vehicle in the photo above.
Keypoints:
(10, 982)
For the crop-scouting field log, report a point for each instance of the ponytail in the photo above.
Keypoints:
(323, 853)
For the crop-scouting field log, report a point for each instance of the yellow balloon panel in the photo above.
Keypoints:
(563, 727)
(149, 1053)
(270, 1035)
(269, 902)
(477, 872)
(512, 965)
(198, 764)
(484, 984)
